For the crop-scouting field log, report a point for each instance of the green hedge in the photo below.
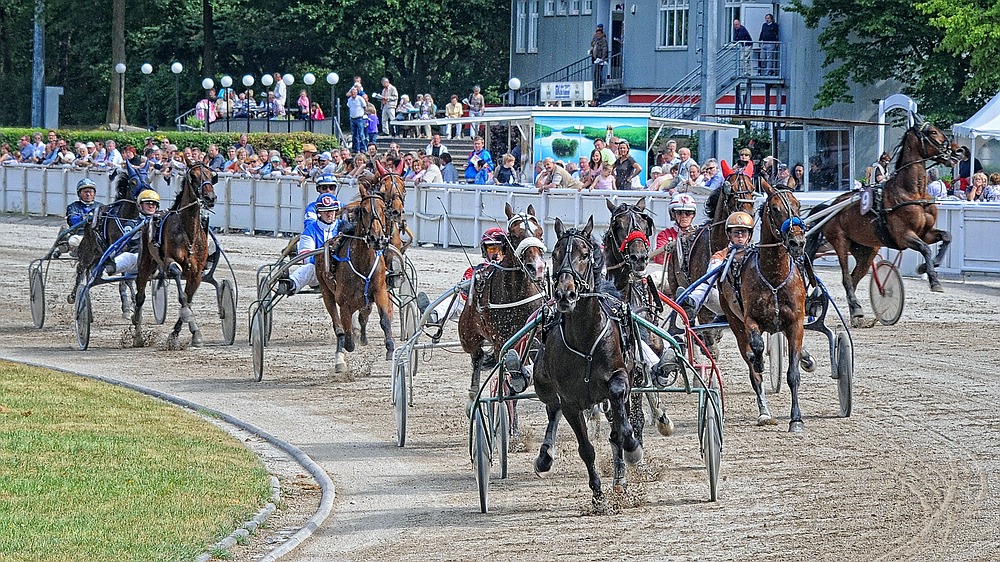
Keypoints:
(289, 144)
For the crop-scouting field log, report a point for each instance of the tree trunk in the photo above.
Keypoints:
(208, 32)
(116, 101)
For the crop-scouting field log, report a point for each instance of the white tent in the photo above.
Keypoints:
(984, 124)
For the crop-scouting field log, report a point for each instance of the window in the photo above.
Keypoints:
(673, 24)
(588, 7)
(574, 7)
(563, 7)
(521, 26)
(533, 26)
(733, 12)
(550, 7)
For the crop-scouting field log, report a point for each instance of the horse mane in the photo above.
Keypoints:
(121, 185)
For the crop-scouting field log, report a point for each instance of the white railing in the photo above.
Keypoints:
(456, 214)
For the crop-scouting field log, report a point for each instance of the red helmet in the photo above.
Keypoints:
(494, 235)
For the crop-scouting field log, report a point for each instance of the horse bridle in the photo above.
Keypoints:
(923, 134)
(392, 194)
(634, 232)
(567, 262)
(376, 243)
(786, 224)
(200, 190)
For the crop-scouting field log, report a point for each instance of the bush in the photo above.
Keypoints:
(564, 147)
(289, 144)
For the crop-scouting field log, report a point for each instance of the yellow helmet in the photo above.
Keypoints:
(149, 195)
(739, 219)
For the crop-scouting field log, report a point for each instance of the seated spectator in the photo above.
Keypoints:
(978, 187)
(403, 113)
(992, 192)
(432, 171)
(66, 155)
(937, 188)
(711, 175)
(205, 108)
(506, 174)
(416, 174)
(240, 164)
(6, 157)
(685, 182)
(449, 174)
(657, 179)
(553, 176)
(214, 159)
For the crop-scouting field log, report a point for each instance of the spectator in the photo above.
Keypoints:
(992, 192)
(390, 99)
(477, 108)
(50, 154)
(799, 176)
(432, 171)
(685, 182)
(479, 153)
(360, 166)
(39, 148)
(435, 148)
(275, 108)
(361, 89)
(240, 163)
(785, 178)
(742, 36)
(484, 173)
(606, 180)
(506, 174)
(668, 157)
(280, 92)
(114, 158)
(242, 143)
(402, 114)
(416, 174)
(937, 188)
(607, 155)
(357, 106)
(66, 156)
(657, 179)
(598, 56)
(428, 110)
(449, 174)
(594, 165)
(966, 168)
(26, 150)
(768, 47)
(303, 104)
(454, 110)
(215, 159)
(554, 176)
(317, 112)
(711, 175)
(880, 169)
(978, 188)
(626, 168)
(83, 159)
(371, 125)
(205, 108)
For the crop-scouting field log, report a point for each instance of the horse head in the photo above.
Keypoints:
(931, 144)
(370, 218)
(393, 190)
(629, 233)
(199, 185)
(780, 221)
(130, 184)
(575, 260)
(737, 195)
(524, 234)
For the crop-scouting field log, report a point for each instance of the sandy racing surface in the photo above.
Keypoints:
(912, 475)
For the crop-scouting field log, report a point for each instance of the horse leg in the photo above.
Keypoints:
(793, 334)
(587, 453)
(843, 249)
(547, 452)
(635, 412)
(914, 242)
(80, 274)
(751, 344)
(126, 299)
(363, 315)
(664, 424)
(933, 236)
(385, 321)
(174, 271)
(620, 424)
(190, 286)
(477, 366)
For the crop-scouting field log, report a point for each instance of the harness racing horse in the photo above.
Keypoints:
(626, 254)
(393, 190)
(765, 292)
(352, 276)
(109, 224)
(902, 216)
(586, 357)
(503, 296)
(176, 243)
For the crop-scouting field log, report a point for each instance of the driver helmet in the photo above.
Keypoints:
(325, 180)
(327, 202)
(149, 195)
(84, 184)
(494, 238)
(682, 202)
(739, 219)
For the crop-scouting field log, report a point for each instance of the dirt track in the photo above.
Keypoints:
(912, 475)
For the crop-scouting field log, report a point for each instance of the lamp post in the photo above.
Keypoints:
(309, 79)
(247, 82)
(120, 69)
(514, 84)
(288, 79)
(147, 69)
(266, 81)
(207, 84)
(332, 79)
(227, 82)
(177, 68)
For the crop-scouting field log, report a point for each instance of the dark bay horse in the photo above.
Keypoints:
(586, 357)
(176, 243)
(352, 276)
(626, 254)
(503, 296)
(109, 224)
(765, 292)
(904, 216)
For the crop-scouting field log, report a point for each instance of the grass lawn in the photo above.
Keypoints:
(89, 471)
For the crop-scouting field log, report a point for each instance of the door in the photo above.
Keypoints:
(617, 40)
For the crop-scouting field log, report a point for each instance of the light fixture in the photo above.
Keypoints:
(309, 79)
(226, 81)
(267, 80)
(146, 68)
(332, 78)
(288, 79)
(248, 80)
(208, 83)
(177, 68)
(120, 68)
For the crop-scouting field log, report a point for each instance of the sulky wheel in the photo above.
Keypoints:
(887, 303)
(399, 399)
(160, 285)
(227, 311)
(711, 442)
(84, 317)
(777, 360)
(257, 345)
(845, 373)
(501, 436)
(481, 456)
(36, 289)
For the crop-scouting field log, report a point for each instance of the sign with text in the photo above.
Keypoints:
(566, 91)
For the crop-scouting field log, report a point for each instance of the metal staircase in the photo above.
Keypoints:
(578, 71)
(683, 99)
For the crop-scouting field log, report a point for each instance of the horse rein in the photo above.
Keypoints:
(567, 262)
(634, 233)
(787, 224)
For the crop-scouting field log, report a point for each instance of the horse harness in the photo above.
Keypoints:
(880, 214)
(634, 232)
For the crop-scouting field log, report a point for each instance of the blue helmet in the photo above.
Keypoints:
(85, 183)
(327, 202)
(325, 179)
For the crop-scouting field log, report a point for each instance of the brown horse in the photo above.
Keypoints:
(765, 292)
(352, 276)
(177, 244)
(502, 296)
(586, 357)
(393, 190)
(904, 216)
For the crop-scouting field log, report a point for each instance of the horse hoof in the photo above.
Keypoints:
(634, 457)
(665, 426)
(766, 419)
(796, 426)
(71, 298)
(542, 466)
(599, 504)
(937, 288)
(196, 339)
(858, 321)
(921, 269)
(388, 355)
(807, 363)
(363, 339)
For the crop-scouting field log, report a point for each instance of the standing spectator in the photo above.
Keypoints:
(360, 88)
(280, 91)
(599, 56)
(606, 179)
(626, 167)
(607, 155)
(785, 178)
(594, 165)
(799, 176)
(390, 98)
(402, 113)
(506, 174)
(428, 111)
(432, 171)
(978, 188)
(371, 125)
(215, 159)
(938, 190)
(205, 109)
(478, 154)
(435, 148)
(242, 143)
(711, 175)
(992, 193)
(742, 36)
(684, 182)
(768, 47)
(303, 104)
(356, 106)
(114, 158)
(316, 114)
(477, 107)
(454, 110)
(26, 149)
(449, 174)
(230, 158)
(275, 108)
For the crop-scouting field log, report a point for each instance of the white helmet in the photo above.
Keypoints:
(682, 202)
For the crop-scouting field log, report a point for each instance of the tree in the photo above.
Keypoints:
(116, 110)
(970, 33)
(867, 41)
